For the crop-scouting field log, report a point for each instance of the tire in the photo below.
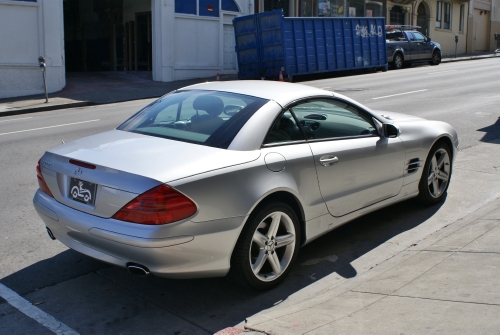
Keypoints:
(258, 260)
(435, 175)
(436, 58)
(398, 61)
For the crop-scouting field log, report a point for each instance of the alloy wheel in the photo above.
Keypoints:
(439, 173)
(272, 247)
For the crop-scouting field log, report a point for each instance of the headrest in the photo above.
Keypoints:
(212, 105)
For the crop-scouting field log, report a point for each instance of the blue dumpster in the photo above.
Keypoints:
(267, 43)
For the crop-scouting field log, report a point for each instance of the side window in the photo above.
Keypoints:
(419, 37)
(329, 118)
(284, 130)
(410, 36)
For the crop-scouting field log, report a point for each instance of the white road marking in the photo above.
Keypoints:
(23, 118)
(35, 313)
(59, 125)
(442, 72)
(393, 95)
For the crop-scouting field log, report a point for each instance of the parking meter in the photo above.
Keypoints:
(456, 45)
(41, 62)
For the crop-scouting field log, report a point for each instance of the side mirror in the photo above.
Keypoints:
(429, 39)
(391, 130)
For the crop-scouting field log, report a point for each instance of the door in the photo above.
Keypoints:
(425, 48)
(229, 48)
(415, 46)
(480, 30)
(355, 167)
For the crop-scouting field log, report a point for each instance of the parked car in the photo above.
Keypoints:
(405, 46)
(233, 177)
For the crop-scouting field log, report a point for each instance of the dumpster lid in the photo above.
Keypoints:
(401, 27)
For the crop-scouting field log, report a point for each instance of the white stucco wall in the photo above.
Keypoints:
(29, 30)
(189, 46)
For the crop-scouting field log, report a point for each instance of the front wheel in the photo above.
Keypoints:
(267, 247)
(436, 175)
(436, 58)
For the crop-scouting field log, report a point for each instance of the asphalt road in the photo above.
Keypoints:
(93, 297)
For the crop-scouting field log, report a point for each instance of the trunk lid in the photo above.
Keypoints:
(126, 165)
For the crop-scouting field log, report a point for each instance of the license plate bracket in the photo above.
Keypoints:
(82, 191)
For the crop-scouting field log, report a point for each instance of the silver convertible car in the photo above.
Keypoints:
(233, 177)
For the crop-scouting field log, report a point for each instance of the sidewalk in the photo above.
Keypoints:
(440, 277)
(447, 283)
(85, 89)
(94, 88)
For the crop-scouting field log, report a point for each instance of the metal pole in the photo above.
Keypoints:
(45, 85)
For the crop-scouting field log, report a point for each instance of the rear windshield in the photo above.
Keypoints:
(209, 118)
(395, 36)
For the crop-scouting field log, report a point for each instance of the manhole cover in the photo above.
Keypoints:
(350, 89)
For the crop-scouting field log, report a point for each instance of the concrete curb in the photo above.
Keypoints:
(461, 59)
(46, 108)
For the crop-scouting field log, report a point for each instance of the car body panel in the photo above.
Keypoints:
(368, 170)
(227, 185)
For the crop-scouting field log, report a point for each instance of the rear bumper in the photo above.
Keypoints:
(181, 250)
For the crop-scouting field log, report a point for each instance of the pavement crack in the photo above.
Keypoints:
(463, 251)
(446, 300)
(492, 173)
(154, 303)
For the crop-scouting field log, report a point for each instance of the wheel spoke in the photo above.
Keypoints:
(273, 227)
(441, 161)
(259, 262)
(275, 263)
(430, 179)
(284, 240)
(433, 163)
(260, 239)
(435, 186)
(443, 176)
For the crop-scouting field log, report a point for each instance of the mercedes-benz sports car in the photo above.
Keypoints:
(233, 177)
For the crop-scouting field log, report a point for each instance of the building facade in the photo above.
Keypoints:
(440, 20)
(183, 39)
(170, 39)
(29, 29)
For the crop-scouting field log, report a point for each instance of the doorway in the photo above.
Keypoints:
(423, 17)
(107, 35)
(481, 21)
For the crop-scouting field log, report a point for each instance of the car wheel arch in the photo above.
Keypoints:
(443, 139)
(288, 198)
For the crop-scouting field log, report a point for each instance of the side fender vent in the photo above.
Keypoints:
(412, 165)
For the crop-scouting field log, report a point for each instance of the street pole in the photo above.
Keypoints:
(43, 68)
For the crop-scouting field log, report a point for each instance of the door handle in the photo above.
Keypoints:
(328, 160)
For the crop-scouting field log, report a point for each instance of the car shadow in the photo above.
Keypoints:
(216, 303)
(492, 132)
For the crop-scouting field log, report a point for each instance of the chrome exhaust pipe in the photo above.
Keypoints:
(52, 237)
(137, 269)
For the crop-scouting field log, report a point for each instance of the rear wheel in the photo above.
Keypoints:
(397, 61)
(436, 175)
(436, 58)
(267, 247)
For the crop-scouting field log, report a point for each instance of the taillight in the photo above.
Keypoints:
(159, 205)
(41, 182)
